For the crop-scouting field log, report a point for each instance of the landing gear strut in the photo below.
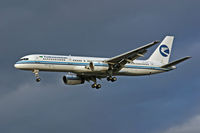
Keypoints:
(113, 79)
(110, 73)
(36, 72)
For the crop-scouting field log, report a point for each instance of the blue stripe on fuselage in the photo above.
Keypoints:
(85, 63)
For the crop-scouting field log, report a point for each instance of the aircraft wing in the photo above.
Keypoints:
(131, 55)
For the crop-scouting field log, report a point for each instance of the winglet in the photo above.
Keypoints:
(157, 41)
(175, 62)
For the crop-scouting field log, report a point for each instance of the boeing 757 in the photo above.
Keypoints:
(81, 69)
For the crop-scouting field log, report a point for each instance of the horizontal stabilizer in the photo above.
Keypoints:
(175, 62)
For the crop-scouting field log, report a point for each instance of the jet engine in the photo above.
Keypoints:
(73, 80)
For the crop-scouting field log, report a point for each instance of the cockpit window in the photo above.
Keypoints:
(23, 59)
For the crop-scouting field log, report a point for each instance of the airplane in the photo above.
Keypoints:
(80, 69)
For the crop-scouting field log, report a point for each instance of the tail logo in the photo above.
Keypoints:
(164, 50)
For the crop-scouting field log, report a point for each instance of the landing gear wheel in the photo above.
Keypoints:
(38, 79)
(98, 86)
(109, 78)
(94, 85)
(114, 79)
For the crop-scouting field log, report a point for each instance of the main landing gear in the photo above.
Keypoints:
(110, 78)
(36, 72)
(110, 73)
(95, 85)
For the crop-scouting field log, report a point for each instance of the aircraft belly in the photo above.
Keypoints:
(136, 72)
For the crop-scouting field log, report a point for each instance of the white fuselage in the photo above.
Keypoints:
(88, 69)
(80, 65)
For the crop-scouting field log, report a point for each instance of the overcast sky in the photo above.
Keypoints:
(163, 103)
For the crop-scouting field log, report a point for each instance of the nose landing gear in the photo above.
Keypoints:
(36, 72)
(38, 79)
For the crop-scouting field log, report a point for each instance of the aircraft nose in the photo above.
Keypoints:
(16, 66)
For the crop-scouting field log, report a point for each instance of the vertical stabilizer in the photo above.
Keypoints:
(163, 51)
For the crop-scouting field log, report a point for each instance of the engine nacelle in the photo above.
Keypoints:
(72, 80)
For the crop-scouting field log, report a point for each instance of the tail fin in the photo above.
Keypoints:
(163, 51)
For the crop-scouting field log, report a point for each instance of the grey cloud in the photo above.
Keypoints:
(191, 126)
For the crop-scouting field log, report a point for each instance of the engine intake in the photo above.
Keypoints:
(72, 80)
